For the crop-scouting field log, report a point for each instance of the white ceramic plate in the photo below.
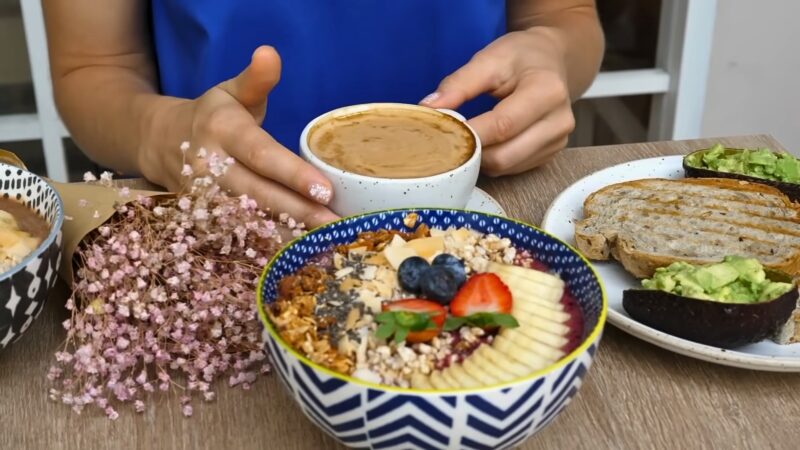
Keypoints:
(483, 202)
(568, 207)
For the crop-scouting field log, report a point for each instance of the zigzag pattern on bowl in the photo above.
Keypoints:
(389, 419)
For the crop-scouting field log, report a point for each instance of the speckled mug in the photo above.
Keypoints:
(356, 194)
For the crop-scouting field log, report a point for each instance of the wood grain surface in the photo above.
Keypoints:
(636, 396)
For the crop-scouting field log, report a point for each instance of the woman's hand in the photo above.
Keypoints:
(226, 120)
(527, 71)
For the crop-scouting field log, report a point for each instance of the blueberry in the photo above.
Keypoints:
(454, 264)
(439, 283)
(410, 271)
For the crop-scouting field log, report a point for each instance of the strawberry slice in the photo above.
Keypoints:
(414, 320)
(482, 293)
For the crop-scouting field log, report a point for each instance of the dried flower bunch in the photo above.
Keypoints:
(164, 298)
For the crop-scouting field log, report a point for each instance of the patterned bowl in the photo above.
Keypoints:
(366, 415)
(25, 287)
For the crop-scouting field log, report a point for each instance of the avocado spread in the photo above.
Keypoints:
(734, 280)
(759, 163)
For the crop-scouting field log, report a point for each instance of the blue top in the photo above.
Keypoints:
(335, 53)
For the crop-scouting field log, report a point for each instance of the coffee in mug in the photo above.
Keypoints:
(393, 142)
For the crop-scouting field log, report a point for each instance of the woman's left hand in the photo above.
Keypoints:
(531, 123)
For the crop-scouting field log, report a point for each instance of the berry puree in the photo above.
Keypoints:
(575, 322)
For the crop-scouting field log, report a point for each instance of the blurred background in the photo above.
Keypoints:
(678, 70)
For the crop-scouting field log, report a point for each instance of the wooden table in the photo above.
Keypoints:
(636, 395)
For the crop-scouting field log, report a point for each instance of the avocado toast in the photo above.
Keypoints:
(651, 223)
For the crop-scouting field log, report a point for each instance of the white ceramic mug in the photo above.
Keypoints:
(356, 194)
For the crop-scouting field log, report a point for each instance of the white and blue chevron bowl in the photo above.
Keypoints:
(365, 415)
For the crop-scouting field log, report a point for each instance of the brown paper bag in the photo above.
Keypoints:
(87, 206)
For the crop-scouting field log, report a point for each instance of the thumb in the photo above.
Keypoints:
(254, 83)
(466, 83)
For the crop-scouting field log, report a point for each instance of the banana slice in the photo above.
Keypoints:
(521, 340)
(530, 321)
(464, 379)
(420, 381)
(524, 355)
(545, 337)
(547, 294)
(449, 379)
(521, 296)
(536, 310)
(438, 382)
(503, 362)
(479, 359)
(534, 276)
(477, 372)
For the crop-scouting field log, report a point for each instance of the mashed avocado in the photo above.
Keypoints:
(734, 280)
(760, 163)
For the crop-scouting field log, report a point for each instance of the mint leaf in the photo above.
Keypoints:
(484, 320)
(385, 317)
(429, 325)
(481, 320)
(505, 321)
(400, 335)
(385, 330)
(454, 323)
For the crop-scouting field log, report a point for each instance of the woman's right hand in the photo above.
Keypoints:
(226, 120)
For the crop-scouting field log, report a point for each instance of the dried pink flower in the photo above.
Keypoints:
(164, 299)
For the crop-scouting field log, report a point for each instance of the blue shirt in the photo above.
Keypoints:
(334, 53)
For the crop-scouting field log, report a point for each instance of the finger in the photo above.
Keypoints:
(251, 86)
(262, 154)
(529, 103)
(529, 149)
(478, 76)
(275, 197)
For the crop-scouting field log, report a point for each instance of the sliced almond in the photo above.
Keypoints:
(368, 273)
(341, 273)
(349, 284)
(352, 318)
(370, 300)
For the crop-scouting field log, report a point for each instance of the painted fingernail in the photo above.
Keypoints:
(320, 193)
(430, 98)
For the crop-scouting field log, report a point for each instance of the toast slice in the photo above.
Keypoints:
(650, 223)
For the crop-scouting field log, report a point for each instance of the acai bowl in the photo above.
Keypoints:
(431, 328)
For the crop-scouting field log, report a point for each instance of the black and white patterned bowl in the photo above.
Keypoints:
(365, 415)
(25, 287)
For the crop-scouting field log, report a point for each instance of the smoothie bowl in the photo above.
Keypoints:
(431, 328)
(31, 215)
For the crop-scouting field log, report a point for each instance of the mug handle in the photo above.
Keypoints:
(452, 113)
(12, 159)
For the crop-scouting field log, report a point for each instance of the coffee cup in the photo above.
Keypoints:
(393, 155)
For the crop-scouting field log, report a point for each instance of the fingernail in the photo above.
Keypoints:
(430, 98)
(320, 193)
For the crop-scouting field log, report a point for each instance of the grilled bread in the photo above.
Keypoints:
(650, 223)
